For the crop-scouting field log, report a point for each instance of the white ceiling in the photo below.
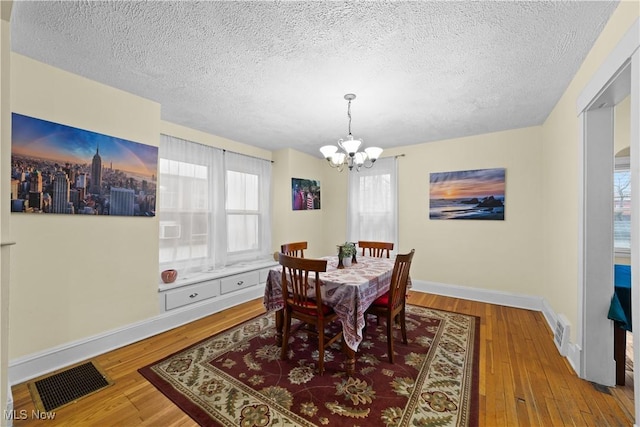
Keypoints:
(273, 73)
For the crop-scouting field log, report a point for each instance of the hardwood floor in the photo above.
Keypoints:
(624, 393)
(523, 379)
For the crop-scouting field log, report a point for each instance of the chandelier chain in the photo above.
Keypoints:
(349, 115)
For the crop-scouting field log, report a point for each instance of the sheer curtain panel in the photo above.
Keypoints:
(372, 211)
(191, 206)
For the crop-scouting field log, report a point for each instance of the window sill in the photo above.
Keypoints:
(622, 254)
(230, 270)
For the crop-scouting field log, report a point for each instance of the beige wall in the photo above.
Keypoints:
(495, 255)
(560, 175)
(77, 276)
(622, 128)
(188, 134)
(323, 228)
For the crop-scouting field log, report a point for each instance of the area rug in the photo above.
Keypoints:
(236, 378)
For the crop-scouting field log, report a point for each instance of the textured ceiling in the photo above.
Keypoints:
(273, 74)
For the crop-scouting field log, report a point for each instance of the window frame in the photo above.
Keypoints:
(621, 163)
(194, 222)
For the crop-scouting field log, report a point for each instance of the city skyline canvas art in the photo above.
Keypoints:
(471, 194)
(65, 170)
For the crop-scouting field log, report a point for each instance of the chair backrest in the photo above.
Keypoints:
(399, 280)
(376, 249)
(294, 249)
(295, 282)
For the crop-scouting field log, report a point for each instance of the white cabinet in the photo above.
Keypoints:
(204, 294)
(239, 281)
(191, 294)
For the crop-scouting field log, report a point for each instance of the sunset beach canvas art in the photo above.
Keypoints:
(470, 194)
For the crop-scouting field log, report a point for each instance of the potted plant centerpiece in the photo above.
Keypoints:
(346, 254)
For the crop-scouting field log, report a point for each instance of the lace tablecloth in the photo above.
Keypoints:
(349, 291)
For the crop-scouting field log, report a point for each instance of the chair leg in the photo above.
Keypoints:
(390, 337)
(403, 326)
(320, 349)
(285, 335)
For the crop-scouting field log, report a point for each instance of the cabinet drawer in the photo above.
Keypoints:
(263, 275)
(191, 294)
(239, 281)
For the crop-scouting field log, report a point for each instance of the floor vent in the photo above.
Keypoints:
(56, 390)
(561, 334)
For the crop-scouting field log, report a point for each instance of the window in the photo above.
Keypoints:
(622, 207)
(248, 193)
(372, 203)
(210, 216)
(243, 215)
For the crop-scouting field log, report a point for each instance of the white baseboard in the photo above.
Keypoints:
(41, 363)
(508, 299)
(37, 364)
(482, 295)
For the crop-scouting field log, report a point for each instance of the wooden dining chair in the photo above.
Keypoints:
(391, 305)
(376, 249)
(299, 304)
(294, 249)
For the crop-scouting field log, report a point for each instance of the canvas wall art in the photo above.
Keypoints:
(59, 169)
(471, 194)
(305, 194)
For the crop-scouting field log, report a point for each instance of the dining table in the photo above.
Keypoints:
(349, 291)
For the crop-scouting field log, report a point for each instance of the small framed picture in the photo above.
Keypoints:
(305, 194)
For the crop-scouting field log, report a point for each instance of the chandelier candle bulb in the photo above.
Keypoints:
(350, 156)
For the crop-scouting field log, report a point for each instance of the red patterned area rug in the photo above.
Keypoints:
(236, 378)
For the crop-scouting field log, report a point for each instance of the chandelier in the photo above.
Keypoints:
(350, 156)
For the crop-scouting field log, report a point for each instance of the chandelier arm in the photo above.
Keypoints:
(369, 161)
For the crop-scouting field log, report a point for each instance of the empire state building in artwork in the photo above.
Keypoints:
(96, 172)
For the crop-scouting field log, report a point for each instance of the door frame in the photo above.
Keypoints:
(619, 73)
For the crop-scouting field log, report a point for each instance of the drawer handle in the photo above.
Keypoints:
(240, 283)
(193, 295)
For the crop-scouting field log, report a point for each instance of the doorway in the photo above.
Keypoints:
(617, 79)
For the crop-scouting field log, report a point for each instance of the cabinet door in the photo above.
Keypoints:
(191, 294)
(239, 281)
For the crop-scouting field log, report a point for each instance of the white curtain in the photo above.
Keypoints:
(248, 206)
(191, 206)
(372, 211)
